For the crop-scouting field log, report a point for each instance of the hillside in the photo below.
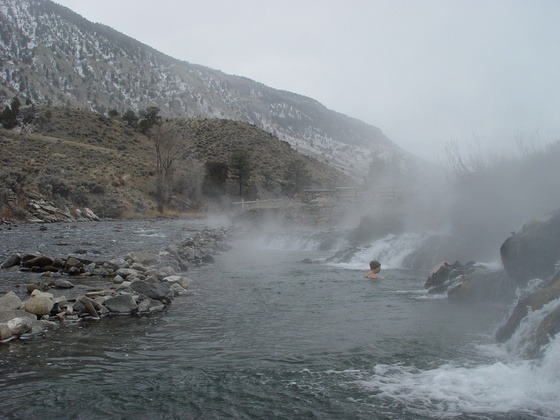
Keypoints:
(79, 158)
(51, 55)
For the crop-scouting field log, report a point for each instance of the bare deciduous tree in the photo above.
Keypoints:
(168, 143)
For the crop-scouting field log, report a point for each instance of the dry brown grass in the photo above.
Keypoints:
(83, 159)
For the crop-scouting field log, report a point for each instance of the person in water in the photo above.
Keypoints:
(375, 267)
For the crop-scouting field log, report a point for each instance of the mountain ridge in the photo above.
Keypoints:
(52, 55)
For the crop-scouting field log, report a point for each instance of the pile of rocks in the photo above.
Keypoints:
(140, 283)
(42, 211)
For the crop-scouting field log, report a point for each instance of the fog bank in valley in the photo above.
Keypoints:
(474, 203)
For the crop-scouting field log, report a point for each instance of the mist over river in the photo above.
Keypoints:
(264, 335)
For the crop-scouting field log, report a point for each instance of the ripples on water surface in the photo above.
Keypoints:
(264, 336)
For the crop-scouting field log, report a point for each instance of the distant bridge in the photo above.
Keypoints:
(386, 197)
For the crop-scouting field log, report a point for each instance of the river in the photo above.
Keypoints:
(264, 335)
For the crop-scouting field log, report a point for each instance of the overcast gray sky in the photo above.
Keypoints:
(426, 72)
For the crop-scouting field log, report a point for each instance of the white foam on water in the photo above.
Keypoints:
(390, 250)
(510, 384)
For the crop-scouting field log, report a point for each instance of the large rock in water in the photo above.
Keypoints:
(9, 302)
(19, 325)
(532, 302)
(469, 282)
(156, 291)
(121, 304)
(534, 251)
(39, 303)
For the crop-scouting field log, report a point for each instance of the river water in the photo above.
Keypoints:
(264, 335)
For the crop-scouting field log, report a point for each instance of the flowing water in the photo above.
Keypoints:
(264, 335)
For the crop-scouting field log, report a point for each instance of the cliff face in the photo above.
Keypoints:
(51, 55)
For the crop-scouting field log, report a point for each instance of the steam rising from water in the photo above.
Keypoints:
(478, 201)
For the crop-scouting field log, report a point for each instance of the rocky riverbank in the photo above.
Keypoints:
(70, 289)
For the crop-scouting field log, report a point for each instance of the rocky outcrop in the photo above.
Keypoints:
(534, 251)
(533, 254)
(445, 276)
(532, 302)
(42, 211)
(483, 284)
(140, 283)
(469, 282)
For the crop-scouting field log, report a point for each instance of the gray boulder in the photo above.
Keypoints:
(20, 325)
(548, 327)
(470, 282)
(138, 267)
(5, 316)
(125, 272)
(102, 272)
(532, 302)
(37, 328)
(182, 281)
(74, 266)
(534, 251)
(156, 291)
(12, 261)
(40, 261)
(9, 302)
(90, 306)
(121, 304)
(446, 275)
(144, 258)
(119, 263)
(483, 284)
(176, 289)
(144, 306)
(5, 332)
(156, 305)
(39, 303)
(118, 279)
(61, 284)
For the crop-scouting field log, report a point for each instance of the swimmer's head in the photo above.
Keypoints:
(374, 264)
